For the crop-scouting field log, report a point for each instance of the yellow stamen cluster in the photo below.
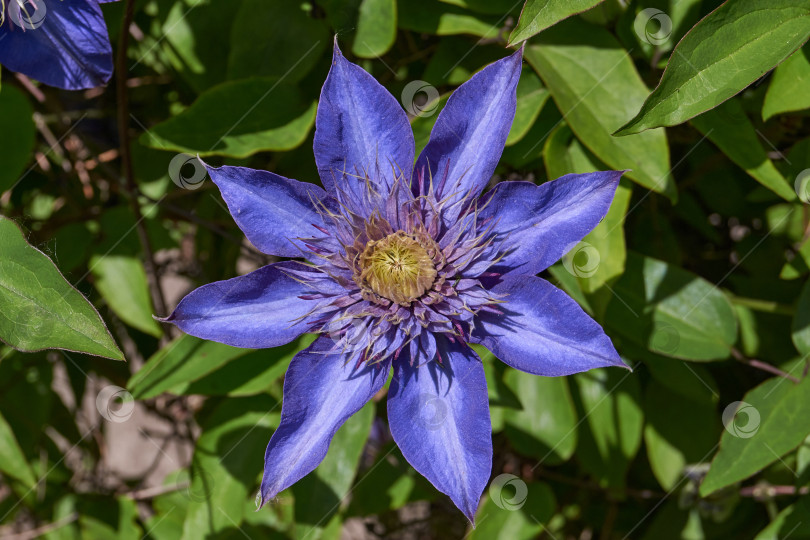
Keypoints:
(397, 268)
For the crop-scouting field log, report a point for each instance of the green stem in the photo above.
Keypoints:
(765, 306)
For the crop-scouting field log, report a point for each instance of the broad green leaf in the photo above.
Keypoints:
(545, 428)
(514, 510)
(16, 116)
(187, 31)
(729, 128)
(432, 17)
(790, 86)
(771, 421)
(537, 15)
(376, 28)
(723, 53)
(12, 459)
(611, 400)
(121, 280)
(488, 7)
(39, 309)
(596, 87)
(226, 463)
(800, 330)
(237, 119)
(678, 432)
(791, 522)
(562, 155)
(389, 484)
(671, 311)
(275, 39)
(189, 365)
(321, 494)
(531, 96)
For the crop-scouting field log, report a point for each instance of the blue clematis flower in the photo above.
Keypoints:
(61, 43)
(407, 267)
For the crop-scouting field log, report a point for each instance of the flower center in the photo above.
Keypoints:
(397, 268)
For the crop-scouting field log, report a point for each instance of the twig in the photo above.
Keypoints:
(764, 366)
(152, 492)
(126, 158)
(768, 491)
(39, 531)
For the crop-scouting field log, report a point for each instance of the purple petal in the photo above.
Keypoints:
(360, 129)
(321, 391)
(542, 331)
(274, 212)
(439, 417)
(69, 50)
(265, 308)
(540, 224)
(468, 138)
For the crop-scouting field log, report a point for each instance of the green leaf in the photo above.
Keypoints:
(537, 15)
(189, 365)
(376, 28)
(238, 119)
(39, 309)
(788, 89)
(431, 17)
(531, 96)
(516, 514)
(729, 128)
(563, 154)
(16, 116)
(121, 280)
(678, 432)
(671, 311)
(800, 330)
(596, 87)
(789, 523)
(321, 494)
(12, 459)
(187, 31)
(546, 426)
(226, 463)
(723, 53)
(611, 400)
(770, 421)
(275, 39)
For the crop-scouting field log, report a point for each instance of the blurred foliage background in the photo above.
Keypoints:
(698, 273)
